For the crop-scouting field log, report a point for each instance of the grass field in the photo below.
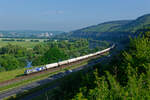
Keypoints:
(4, 76)
(24, 44)
(27, 43)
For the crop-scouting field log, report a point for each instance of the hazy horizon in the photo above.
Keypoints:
(66, 15)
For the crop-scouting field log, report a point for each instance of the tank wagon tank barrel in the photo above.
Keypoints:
(65, 62)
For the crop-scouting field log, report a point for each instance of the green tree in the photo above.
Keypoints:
(54, 55)
(9, 62)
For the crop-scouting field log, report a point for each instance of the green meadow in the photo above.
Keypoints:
(27, 43)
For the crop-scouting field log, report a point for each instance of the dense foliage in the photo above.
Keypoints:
(125, 77)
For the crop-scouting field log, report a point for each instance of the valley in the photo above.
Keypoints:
(74, 50)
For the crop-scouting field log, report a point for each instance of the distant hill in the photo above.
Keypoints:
(112, 30)
(105, 27)
(143, 21)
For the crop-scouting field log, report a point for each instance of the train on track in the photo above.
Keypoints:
(65, 62)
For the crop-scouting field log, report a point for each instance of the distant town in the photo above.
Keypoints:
(28, 34)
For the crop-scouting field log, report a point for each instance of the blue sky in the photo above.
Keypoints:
(66, 15)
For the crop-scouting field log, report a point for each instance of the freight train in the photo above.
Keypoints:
(65, 62)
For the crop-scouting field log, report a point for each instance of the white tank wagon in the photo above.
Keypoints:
(48, 66)
(80, 58)
(90, 55)
(72, 60)
(63, 62)
(94, 54)
(103, 51)
(53, 65)
(85, 57)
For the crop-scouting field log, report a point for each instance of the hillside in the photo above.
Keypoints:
(112, 30)
(105, 27)
(140, 22)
